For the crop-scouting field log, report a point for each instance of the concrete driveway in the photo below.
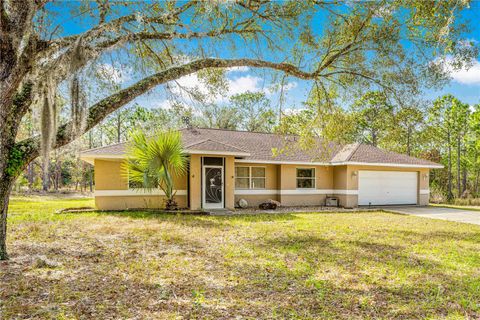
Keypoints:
(458, 215)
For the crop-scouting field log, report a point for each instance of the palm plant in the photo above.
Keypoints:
(152, 162)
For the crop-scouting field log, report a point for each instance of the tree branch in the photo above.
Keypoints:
(100, 110)
(168, 36)
(96, 113)
(117, 23)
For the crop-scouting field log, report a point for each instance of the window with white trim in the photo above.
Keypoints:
(305, 178)
(249, 177)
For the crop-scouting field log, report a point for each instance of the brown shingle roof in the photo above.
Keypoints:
(212, 145)
(261, 146)
(370, 154)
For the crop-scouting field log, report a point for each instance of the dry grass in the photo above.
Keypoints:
(297, 266)
(467, 202)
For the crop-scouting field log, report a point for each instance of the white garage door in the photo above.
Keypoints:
(387, 187)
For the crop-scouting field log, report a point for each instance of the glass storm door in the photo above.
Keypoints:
(212, 187)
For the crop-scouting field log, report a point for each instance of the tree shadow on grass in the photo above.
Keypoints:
(440, 236)
(298, 275)
(359, 278)
(204, 221)
(97, 294)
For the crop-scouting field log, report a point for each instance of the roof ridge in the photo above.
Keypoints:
(408, 156)
(395, 153)
(196, 142)
(357, 145)
(227, 144)
(107, 146)
(222, 143)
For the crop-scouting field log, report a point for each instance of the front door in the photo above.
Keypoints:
(212, 189)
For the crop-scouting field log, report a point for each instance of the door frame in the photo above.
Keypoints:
(221, 204)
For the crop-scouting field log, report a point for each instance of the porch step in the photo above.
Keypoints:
(220, 212)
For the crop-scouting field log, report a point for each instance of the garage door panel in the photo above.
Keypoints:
(387, 187)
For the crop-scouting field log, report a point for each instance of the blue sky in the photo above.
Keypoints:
(465, 84)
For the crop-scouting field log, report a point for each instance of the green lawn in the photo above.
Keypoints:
(286, 266)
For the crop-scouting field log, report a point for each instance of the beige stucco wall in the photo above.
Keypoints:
(345, 179)
(288, 183)
(282, 178)
(135, 202)
(109, 175)
(303, 200)
(255, 200)
(230, 182)
(195, 182)
(288, 175)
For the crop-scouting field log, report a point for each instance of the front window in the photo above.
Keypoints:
(249, 178)
(306, 178)
(257, 177)
(242, 177)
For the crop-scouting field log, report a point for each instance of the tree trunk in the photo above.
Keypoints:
(477, 176)
(45, 177)
(459, 189)
(30, 176)
(409, 133)
(90, 178)
(449, 191)
(119, 128)
(58, 174)
(14, 156)
(5, 188)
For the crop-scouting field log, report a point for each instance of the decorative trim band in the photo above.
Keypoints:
(306, 163)
(90, 157)
(255, 192)
(424, 191)
(292, 192)
(346, 192)
(134, 192)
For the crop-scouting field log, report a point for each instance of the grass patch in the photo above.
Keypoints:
(295, 266)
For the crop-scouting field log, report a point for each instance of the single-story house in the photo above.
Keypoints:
(226, 166)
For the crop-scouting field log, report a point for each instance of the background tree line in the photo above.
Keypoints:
(445, 130)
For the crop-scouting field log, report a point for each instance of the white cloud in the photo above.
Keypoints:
(114, 74)
(236, 85)
(244, 84)
(286, 87)
(469, 75)
(164, 104)
(238, 69)
(190, 81)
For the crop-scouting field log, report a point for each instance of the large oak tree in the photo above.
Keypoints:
(342, 44)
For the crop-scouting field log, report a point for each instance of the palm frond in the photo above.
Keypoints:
(154, 161)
